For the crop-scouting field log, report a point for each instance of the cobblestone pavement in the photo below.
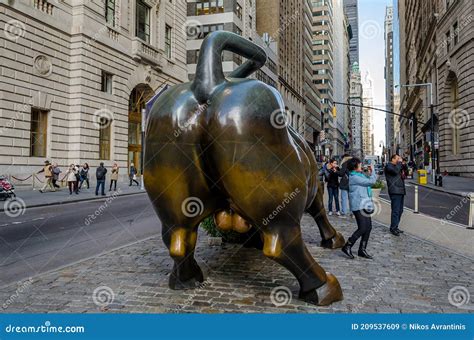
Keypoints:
(406, 275)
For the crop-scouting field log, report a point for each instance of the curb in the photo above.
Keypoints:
(38, 205)
(455, 193)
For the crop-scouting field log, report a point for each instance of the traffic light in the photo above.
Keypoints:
(334, 112)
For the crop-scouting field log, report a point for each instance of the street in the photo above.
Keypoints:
(46, 238)
(436, 204)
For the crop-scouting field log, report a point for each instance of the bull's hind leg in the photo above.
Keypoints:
(285, 246)
(330, 237)
(181, 242)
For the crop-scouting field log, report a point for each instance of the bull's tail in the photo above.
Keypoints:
(209, 72)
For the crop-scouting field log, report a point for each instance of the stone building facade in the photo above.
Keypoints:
(75, 76)
(437, 48)
(356, 99)
(455, 79)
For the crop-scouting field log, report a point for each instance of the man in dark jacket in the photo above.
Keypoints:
(332, 174)
(396, 191)
(100, 175)
(344, 186)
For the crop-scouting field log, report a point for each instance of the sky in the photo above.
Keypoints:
(372, 57)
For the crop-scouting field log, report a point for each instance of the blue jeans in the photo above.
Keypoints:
(344, 202)
(333, 194)
(396, 202)
(100, 183)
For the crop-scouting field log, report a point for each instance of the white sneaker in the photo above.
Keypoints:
(338, 213)
(330, 213)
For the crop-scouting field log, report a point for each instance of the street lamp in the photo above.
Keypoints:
(432, 139)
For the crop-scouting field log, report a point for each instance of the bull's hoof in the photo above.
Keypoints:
(190, 282)
(326, 294)
(336, 242)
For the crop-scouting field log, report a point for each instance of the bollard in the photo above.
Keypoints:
(416, 200)
(33, 182)
(471, 211)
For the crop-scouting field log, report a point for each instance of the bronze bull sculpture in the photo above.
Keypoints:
(216, 146)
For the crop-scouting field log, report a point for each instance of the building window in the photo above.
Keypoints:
(110, 12)
(456, 33)
(250, 21)
(104, 138)
(168, 41)
(205, 7)
(142, 21)
(238, 11)
(38, 132)
(448, 41)
(106, 83)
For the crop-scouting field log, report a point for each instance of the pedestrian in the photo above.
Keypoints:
(77, 171)
(48, 176)
(71, 178)
(344, 186)
(396, 191)
(56, 172)
(361, 205)
(133, 175)
(100, 176)
(114, 176)
(84, 175)
(332, 175)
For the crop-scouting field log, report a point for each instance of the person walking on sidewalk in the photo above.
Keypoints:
(48, 176)
(71, 178)
(56, 172)
(344, 186)
(133, 175)
(114, 176)
(84, 173)
(396, 190)
(332, 175)
(360, 200)
(100, 176)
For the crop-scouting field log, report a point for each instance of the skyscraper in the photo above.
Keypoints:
(389, 89)
(367, 115)
(286, 23)
(352, 12)
(356, 98)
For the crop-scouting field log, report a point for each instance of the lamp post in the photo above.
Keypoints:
(432, 139)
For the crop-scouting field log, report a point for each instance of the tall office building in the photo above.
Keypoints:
(342, 36)
(352, 12)
(238, 16)
(323, 69)
(389, 85)
(368, 147)
(76, 75)
(286, 24)
(356, 98)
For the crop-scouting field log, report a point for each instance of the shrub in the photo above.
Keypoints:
(378, 185)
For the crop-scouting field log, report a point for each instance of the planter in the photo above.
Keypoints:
(376, 193)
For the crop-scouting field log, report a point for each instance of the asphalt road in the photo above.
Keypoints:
(50, 237)
(436, 204)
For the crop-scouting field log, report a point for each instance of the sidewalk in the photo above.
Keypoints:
(461, 186)
(29, 198)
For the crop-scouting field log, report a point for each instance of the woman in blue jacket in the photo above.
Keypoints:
(360, 201)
